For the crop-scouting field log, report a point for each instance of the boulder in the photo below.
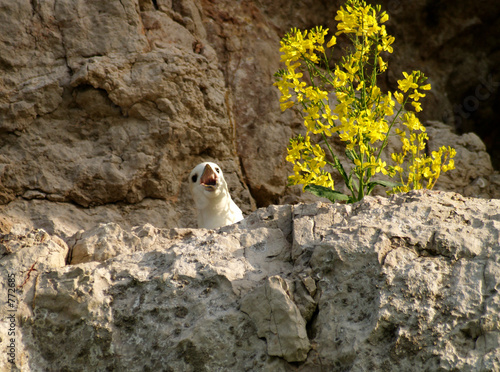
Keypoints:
(390, 284)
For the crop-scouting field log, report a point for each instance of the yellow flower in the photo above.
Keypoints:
(417, 105)
(295, 148)
(407, 83)
(382, 64)
(398, 158)
(399, 97)
(380, 167)
(351, 70)
(332, 42)
(387, 106)
(412, 122)
(286, 105)
(364, 115)
(328, 116)
(416, 95)
(449, 166)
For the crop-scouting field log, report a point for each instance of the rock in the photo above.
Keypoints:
(303, 295)
(407, 282)
(98, 120)
(96, 245)
(470, 150)
(5, 226)
(425, 264)
(23, 257)
(278, 319)
(106, 106)
(104, 109)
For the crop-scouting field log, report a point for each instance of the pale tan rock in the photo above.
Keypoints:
(278, 319)
(104, 109)
(472, 162)
(109, 103)
(102, 243)
(23, 257)
(399, 283)
(303, 297)
(114, 117)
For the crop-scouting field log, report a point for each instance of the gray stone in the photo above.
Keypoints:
(105, 106)
(402, 283)
(278, 319)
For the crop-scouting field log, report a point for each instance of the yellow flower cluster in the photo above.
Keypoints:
(359, 19)
(361, 112)
(296, 46)
(411, 83)
(309, 162)
(414, 168)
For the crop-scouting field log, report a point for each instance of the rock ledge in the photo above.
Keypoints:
(388, 284)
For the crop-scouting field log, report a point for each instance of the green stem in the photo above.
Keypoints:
(361, 191)
(337, 165)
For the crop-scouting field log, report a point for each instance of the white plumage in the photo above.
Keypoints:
(211, 197)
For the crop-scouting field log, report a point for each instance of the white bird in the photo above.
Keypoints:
(211, 197)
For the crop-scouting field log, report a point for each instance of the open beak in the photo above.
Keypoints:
(209, 178)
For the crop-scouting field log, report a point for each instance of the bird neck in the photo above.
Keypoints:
(220, 202)
(216, 210)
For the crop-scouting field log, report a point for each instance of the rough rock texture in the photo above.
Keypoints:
(278, 319)
(105, 106)
(107, 102)
(410, 282)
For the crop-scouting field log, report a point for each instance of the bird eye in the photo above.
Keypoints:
(194, 178)
(217, 170)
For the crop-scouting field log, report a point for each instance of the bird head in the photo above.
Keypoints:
(207, 182)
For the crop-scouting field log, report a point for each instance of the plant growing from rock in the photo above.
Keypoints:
(363, 117)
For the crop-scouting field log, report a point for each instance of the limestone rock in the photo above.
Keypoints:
(390, 284)
(106, 241)
(24, 255)
(105, 106)
(104, 109)
(470, 150)
(118, 117)
(278, 319)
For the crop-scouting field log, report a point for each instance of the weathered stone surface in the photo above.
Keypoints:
(109, 240)
(467, 180)
(107, 102)
(278, 319)
(23, 256)
(403, 296)
(108, 105)
(105, 106)
(402, 283)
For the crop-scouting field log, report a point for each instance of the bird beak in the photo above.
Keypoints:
(209, 178)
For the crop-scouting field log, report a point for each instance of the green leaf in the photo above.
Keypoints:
(370, 185)
(340, 168)
(351, 155)
(325, 192)
(354, 183)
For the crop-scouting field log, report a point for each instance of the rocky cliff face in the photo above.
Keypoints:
(406, 283)
(106, 106)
